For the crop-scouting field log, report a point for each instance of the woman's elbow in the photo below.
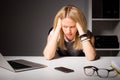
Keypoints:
(48, 56)
(92, 57)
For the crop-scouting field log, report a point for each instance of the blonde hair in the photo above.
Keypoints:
(75, 14)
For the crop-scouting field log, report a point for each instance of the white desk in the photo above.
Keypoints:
(49, 73)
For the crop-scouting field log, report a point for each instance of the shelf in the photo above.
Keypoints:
(105, 19)
(107, 49)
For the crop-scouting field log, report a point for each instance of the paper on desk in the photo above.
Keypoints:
(116, 65)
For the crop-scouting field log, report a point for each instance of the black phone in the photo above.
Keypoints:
(64, 69)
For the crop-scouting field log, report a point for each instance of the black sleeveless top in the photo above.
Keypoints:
(70, 51)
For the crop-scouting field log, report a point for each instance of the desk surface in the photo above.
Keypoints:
(49, 73)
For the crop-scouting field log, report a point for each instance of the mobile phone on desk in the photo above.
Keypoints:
(64, 69)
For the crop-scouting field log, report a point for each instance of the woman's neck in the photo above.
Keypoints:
(67, 40)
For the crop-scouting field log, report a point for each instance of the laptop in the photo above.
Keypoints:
(19, 65)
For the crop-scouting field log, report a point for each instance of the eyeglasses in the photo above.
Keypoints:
(101, 72)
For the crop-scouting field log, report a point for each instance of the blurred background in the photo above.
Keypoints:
(24, 24)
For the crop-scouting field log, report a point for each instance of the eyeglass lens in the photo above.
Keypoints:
(102, 73)
(89, 71)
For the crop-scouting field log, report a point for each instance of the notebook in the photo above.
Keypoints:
(19, 65)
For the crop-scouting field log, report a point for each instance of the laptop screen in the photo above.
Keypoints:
(16, 65)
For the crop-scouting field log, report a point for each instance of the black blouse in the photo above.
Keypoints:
(70, 51)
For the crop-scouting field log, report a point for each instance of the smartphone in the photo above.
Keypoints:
(64, 69)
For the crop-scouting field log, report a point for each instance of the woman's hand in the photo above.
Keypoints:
(80, 29)
(59, 24)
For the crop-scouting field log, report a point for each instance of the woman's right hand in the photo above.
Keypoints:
(59, 24)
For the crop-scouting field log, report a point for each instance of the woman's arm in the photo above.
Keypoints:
(51, 46)
(88, 45)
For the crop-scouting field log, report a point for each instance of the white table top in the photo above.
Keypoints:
(49, 73)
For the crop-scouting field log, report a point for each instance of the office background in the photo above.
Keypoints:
(24, 24)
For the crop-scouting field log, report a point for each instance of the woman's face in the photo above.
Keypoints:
(69, 28)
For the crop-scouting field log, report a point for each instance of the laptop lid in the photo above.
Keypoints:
(5, 64)
(19, 65)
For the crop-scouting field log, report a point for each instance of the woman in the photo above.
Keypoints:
(70, 36)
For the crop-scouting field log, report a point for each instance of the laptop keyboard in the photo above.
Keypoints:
(16, 65)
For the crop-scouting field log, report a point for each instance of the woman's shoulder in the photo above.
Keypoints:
(50, 30)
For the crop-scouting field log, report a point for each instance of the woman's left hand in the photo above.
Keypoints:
(80, 29)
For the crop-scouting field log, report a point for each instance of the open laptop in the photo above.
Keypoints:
(19, 65)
